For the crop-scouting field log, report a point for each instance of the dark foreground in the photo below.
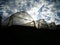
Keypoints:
(21, 35)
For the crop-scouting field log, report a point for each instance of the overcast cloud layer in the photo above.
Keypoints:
(38, 9)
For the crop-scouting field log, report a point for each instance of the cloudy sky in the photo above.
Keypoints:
(49, 10)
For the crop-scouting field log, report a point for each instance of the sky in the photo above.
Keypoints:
(49, 10)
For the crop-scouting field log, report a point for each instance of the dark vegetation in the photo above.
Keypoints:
(28, 35)
(16, 35)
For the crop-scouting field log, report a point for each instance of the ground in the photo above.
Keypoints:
(28, 35)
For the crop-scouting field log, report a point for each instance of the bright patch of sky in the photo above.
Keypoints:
(49, 10)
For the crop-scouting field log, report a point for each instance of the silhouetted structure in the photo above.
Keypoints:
(24, 19)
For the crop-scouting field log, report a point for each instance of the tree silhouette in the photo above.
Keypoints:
(41, 23)
(0, 20)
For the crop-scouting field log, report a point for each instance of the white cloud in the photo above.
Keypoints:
(5, 14)
(49, 9)
(57, 22)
